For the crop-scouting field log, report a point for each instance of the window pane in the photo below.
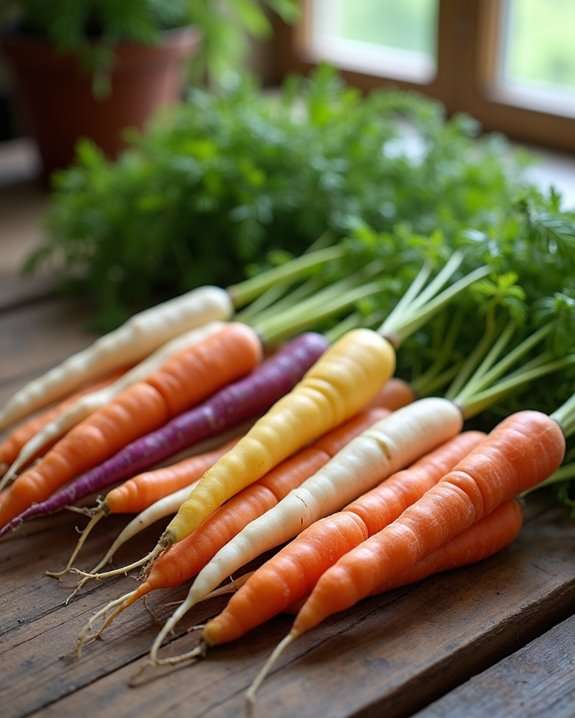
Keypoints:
(385, 37)
(538, 65)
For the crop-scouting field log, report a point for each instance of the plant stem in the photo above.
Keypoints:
(263, 302)
(482, 400)
(565, 416)
(501, 367)
(412, 319)
(245, 292)
(304, 291)
(484, 372)
(353, 321)
(409, 296)
(272, 333)
(470, 364)
(439, 282)
(564, 473)
(431, 385)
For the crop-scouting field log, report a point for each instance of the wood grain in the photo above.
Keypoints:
(535, 681)
(392, 654)
(34, 338)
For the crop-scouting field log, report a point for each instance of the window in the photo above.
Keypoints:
(511, 63)
(536, 66)
(378, 36)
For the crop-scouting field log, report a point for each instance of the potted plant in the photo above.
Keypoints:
(92, 68)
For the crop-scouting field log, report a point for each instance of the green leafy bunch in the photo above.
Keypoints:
(91, 28)
(212, 187)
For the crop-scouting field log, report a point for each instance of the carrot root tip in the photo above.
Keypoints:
(96, 515)
(196, 653)
(250, 694)
(82, 510)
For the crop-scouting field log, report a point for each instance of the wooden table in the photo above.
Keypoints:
(492, 640)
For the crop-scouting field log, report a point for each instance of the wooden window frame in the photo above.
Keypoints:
(467, 53)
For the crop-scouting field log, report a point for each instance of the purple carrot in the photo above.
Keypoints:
(237, 402)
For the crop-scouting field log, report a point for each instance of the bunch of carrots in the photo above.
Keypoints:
(364, 481)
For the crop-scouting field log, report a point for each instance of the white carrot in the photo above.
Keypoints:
(133, 341)
(89, 403)
(389, 445)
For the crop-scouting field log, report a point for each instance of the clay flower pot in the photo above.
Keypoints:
(55, 92)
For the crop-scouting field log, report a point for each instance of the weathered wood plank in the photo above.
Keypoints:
(391, 654)
(535, 681)
(16, 291)
(34, 338)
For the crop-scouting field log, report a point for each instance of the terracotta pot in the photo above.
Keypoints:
(55, 92)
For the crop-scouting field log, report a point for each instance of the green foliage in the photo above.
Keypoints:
(74, 25)
(211, 188)
(217, 185)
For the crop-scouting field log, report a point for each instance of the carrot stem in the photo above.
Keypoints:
(565, 416)
(269, 298)
(250, 289)
(310, 315)
(565, 473)
(486, 398)
(437, 375)
(517, 353)
(417, 314)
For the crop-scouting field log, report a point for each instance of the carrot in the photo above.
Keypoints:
(139, 495)
(242, 400)
(13, 443)
(186, 558)
(127, 497)
(519, 453)
(394, 394)
(384, 448)
(487, 537)
(183, 381)
(343, 381)
(87, 404)
(292, 573)
(134, 340)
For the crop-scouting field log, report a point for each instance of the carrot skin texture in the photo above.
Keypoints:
(291, 574)
(394, 394)
(340, 384)
(233, 404)
(185, 379)
(10, 447)
(138, 337)
(484, 539)
(520, 452)
(183, 560)
(143, 490)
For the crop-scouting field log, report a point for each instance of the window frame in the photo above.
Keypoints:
(468, 44)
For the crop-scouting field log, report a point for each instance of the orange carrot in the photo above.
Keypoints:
(183, 381)
(292, 573)
(485, 538)
(519, 453)
(143, 490)
(187, 557)
(394, 394)
(475, 544)
(10, 447)
(489, 535)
